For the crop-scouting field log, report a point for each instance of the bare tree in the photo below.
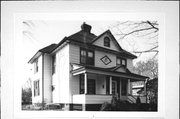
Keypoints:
(147, 30)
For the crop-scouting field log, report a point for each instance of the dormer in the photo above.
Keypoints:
(107, 40)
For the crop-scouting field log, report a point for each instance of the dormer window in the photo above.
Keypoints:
(121, 61)
(106, 42)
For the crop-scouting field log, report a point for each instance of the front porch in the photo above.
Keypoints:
(97, 86)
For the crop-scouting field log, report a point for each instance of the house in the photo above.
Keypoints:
(83, 70)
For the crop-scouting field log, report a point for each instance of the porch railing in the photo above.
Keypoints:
(132, 98)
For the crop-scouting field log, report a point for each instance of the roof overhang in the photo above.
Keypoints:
(35, 57)
(96, 70)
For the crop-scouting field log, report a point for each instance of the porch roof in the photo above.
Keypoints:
(107, 71)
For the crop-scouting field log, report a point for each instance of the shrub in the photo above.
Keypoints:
(105, 107)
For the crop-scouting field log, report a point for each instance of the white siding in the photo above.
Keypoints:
(130, 65)
(101, 84)
(100, 42)
(47, 78)
(74, 54)
(37, 76)
(74, 85)
(99, 63)
(62, 75)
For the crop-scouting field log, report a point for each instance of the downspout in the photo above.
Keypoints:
(43, 80)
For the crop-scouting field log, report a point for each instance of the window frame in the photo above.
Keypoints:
(87, 60)
(106, 41)
(36, 67)
(53, 64)
(36, 88)
(120, 58)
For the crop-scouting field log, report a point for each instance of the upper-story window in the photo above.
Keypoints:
(106, 42)
(36, 66)
(53, 64)
(121, 61)
(86, 57)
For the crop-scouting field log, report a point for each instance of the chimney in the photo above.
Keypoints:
(86, 28)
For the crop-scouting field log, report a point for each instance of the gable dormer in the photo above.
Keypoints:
(107, 40)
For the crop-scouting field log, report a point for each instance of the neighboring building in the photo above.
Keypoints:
(137, 87)
(83, 70)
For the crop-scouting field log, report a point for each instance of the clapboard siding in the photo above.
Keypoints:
(100, 42)
(75, 58)
(62, 75)
(130, 65)
(99, 63)
(101, 84)
(74, 54)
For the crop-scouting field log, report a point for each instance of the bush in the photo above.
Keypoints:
(105, 107)
(119, 105)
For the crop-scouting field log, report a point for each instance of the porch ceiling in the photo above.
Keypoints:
(103, 71)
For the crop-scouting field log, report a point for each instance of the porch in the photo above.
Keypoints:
(91, 99)
(98, 85)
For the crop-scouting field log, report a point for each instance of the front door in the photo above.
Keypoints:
(114, 87)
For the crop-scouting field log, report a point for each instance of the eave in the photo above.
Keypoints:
(104, 71)
(38, 54)
(122, 53)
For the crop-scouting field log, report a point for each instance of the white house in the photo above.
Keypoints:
(83, 70)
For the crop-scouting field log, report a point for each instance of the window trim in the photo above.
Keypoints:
(36, 67)
(121, 61)
(107, 41)
(36, 88)
(53, 64)
(86, 57)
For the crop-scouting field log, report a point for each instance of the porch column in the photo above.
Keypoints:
(85, 83)
(110, 83)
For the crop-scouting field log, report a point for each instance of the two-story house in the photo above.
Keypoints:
(83, 70)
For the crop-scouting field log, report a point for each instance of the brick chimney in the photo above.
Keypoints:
(86, 28)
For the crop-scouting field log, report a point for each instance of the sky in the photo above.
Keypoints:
(38, 34)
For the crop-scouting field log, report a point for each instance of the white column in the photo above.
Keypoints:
(85, 83)
(110, 83)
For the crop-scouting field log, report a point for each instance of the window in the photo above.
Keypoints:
(53, 64)
(86, 57)
(106, 42)
(91, 86)
(36, 88)
(121, 61)
(36, 66)
(123, 87)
